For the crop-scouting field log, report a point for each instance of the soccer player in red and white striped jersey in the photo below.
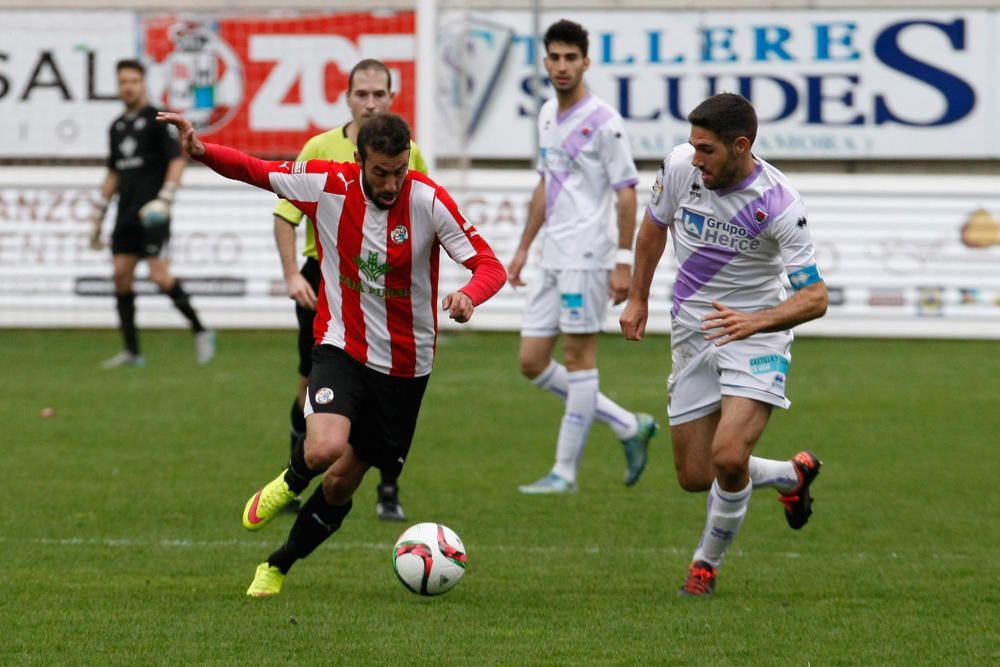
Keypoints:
(379, 231)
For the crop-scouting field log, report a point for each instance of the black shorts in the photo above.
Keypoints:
(382, 408)
(133, 238)
(306, 317)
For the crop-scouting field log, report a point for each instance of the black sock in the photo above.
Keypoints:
(183, 304)
(298, 475)
(298, 428)
(317, 520)
(126, 317)
(389, 479)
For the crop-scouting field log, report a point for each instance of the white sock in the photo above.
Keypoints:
(767, 472)
(726, 511)
(624, 423)
(581, 401)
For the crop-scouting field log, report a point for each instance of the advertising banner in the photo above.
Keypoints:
(262, 83)
(901, 255)
(58, 92)
(835, 84)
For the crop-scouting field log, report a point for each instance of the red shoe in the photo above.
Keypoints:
(700, 581)
(798, 502)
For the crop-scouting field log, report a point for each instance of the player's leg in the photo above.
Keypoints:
(159, 273)
(740, 425)
(123, 272)
(305, 342)
(321, 515)
(580, 354)
(539, 335)
(390, 422)
(758, 368)
(333, 401)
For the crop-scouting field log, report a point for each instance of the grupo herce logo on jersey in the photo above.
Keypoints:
(201, 75)
(720, 233)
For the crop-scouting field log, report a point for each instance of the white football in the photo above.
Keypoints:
(154, 213)
(429, 559)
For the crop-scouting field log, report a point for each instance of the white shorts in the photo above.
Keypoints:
(702, 373)
(567, 301)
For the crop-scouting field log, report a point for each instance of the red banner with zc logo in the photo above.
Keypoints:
(267, 84)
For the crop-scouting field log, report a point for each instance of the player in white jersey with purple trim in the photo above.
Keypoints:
(584, 157)
(738, 226)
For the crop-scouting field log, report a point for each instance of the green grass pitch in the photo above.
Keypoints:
(121, 540)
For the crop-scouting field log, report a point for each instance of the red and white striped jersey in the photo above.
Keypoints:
(378, 296)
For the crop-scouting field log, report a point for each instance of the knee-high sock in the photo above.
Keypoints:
(726, 512)
(317, 520)
(183, 303)
(767, 472)
(581, 403)
(554, 380)
(126, 318)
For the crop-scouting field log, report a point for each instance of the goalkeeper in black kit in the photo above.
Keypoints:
(144, 169)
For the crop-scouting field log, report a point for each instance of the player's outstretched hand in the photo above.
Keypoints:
(189, 140)
(459, 306)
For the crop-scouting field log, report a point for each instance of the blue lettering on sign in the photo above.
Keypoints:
(648, 92)
(959, 95)
(826, 40)
(717, 45)
(771, 39)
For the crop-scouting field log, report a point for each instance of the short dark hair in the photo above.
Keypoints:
(367, 64)
(728, 115)
(567, 32)
(384, 133)
(130, 63)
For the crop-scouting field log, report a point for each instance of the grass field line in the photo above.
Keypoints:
(178, 543)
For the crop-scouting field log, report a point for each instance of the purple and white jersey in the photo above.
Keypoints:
(731, 245)
(584, 154)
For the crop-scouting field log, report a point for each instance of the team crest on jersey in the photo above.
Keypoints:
(140, 123)
(586, 131)
(760, 215)
(324, 396)
(399, 234)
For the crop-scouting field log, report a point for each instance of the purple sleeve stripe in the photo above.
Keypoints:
(652, 216)
(626, 183)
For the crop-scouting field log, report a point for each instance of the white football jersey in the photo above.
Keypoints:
(732, 245)
(584, 154)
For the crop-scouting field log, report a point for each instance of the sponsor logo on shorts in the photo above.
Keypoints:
(769, 363)
(573, 306)
(324, 396)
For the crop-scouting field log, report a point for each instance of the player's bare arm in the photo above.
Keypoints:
(459, 306)
(536, 218)
(726, 325)
(649, 246)
(189, 140)
(621, 275)
(296, 285)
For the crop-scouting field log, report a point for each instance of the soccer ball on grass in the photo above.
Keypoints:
(429, 558)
